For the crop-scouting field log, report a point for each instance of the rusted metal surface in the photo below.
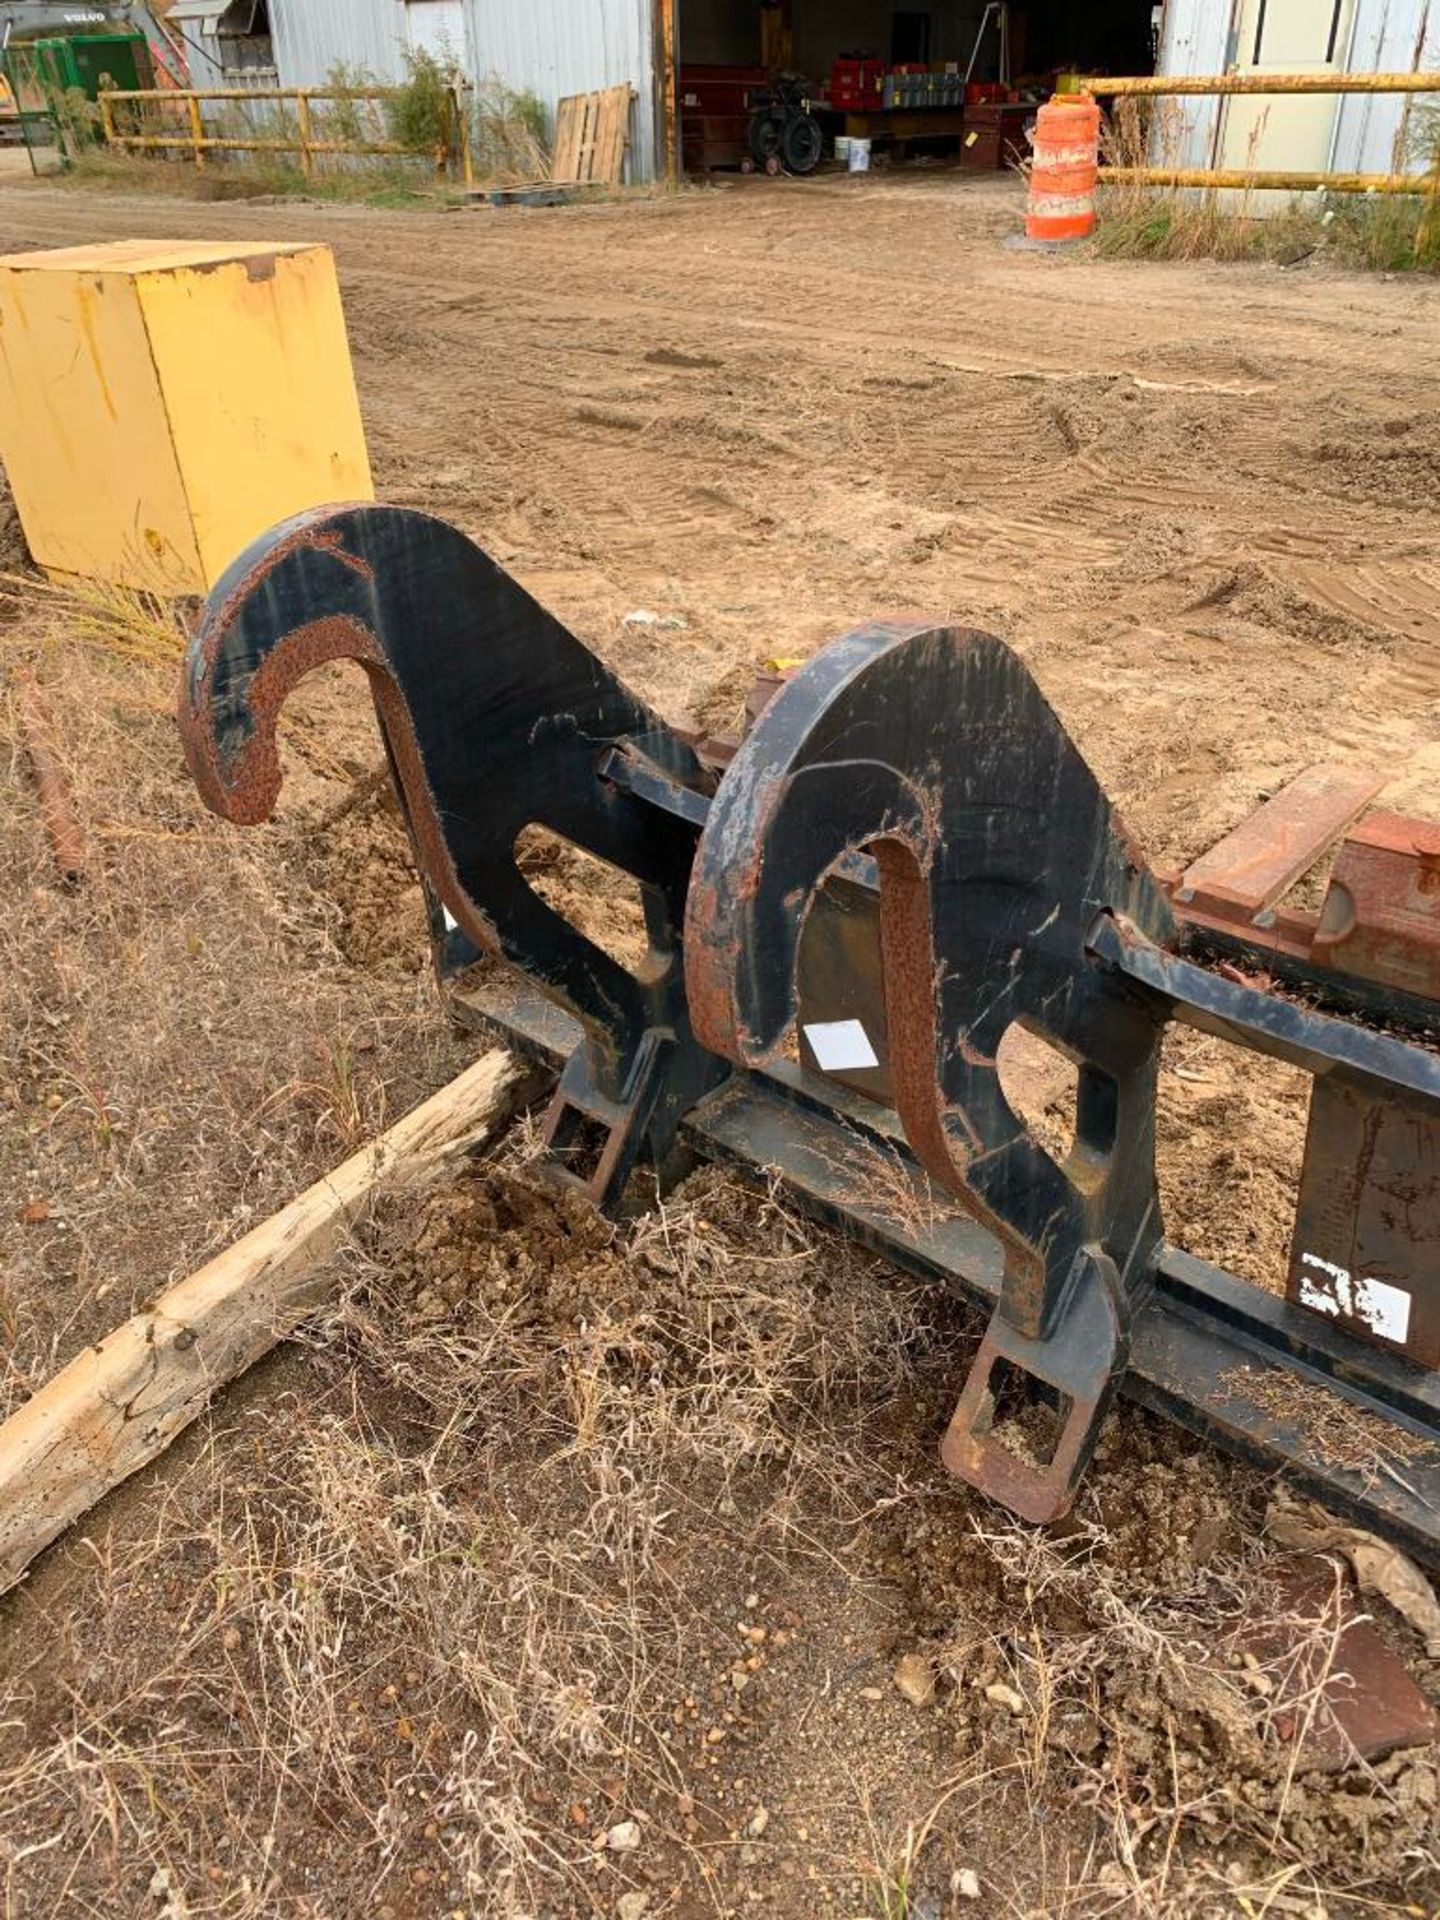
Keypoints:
(932, 750)
(1374, 947)
(1334, 1689)
(909, 856)
(840, 978)
(1266, 854)
(57, 805)
(1380, 921)
(495, 717)
(1366, 1250)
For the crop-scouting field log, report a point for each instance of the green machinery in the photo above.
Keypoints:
(52, 80)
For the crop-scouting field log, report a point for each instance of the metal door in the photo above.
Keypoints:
(1278, 132)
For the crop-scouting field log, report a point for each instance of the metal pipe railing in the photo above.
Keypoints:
(1259, 179)
(1222, 83)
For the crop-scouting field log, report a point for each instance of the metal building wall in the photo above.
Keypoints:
(555, 47)
(1386, 36)
(310, 36)
(1194, 39)
(1389, 36)
(546, 47)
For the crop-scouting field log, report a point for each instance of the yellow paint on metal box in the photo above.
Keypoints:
(163, 402)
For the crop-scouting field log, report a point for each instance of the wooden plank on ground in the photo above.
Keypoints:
(1252, 867)
(119, 1404)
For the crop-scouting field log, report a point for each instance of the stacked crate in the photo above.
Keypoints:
(715, 115)
(857, 83)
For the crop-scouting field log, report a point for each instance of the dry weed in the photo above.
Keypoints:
(182, 1045)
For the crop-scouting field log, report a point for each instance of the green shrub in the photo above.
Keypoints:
(418, 113)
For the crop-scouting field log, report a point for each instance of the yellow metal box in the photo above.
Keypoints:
(162, 402)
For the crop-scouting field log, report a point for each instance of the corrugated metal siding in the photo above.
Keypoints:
(1195, 40)
(555, 47)
(1396, 36)
(1387, 35)
(310, 36)
(546, 47)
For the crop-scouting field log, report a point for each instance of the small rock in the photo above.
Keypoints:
(623, 1837)
(752, 1600)
(714, 1736)
(965, 1883)
(758, 1822)
(643, 617)
(914, 1677)
(871, 1693)
(1002, 1696)
(632, 1906)
(740, 1678)
(159, 1883)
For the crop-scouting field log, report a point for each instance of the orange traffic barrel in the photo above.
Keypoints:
(1063, 171)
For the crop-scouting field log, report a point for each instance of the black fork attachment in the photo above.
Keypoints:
(906, 858)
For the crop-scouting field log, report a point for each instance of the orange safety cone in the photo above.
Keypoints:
(1062, 175)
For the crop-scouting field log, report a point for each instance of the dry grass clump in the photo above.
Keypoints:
(180, 1045)
(712, 1335)
(1145, 1701)
(1392, 233)
(433, 1620)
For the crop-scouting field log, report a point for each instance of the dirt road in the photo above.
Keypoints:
(1199, 499)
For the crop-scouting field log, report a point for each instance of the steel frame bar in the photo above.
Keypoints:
(1233, 1364)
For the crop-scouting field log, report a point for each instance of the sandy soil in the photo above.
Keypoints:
(1193, 496)
(1197, 499)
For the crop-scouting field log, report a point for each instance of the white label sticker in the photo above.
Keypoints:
(840, 1046)
(1383, 1308)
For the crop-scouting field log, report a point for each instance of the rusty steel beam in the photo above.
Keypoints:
(1380, 921)
(1267, 853)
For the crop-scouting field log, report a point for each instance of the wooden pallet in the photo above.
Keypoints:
(592, 131)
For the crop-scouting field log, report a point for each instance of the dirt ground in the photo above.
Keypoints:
(551, 1537)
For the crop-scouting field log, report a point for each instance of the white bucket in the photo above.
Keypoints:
(859, 156)
(843, 144)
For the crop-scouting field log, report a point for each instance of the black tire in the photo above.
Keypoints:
(802, 143)
(764, 136)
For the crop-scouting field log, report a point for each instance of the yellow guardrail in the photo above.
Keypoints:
(1151, 85)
